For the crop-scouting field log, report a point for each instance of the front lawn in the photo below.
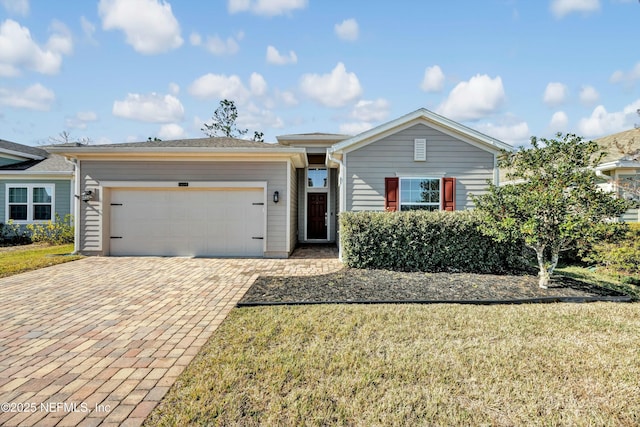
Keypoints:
(550, 364)
(18, 259)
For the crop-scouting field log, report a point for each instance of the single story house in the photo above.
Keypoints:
(232, 197)
(620, 168)
(35, 184)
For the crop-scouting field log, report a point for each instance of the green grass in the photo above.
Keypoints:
(601, 278)
(32, 257)
(406, 365)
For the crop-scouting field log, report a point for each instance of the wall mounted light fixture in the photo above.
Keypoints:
(276, 197)
(87, 196)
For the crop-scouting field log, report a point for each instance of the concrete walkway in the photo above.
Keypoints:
(99, 341)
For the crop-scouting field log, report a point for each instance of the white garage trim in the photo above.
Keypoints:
(107, 187)
(191, 184)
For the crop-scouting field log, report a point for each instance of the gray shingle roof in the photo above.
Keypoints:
(218, 142)
(20, 148)
(54, 163)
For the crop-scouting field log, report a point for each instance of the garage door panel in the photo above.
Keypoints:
(173, 222)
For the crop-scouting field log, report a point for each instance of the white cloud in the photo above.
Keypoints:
(602, 122)
(258, 84)
(154, 108)
(559, 122)
(218, 46)
(347, 30)
(287, 98)
(433, 80)
(149, 25)
(354, 128)
(371, 111)
(589, 95)
(473, 99)
(629, 77)
(18, 50)
(174, 89)
(255, 118)
(171, 131)
(555, 94)
(274, 57)
(80, 120)
(195, 39)
(513, 134)
(34, 97)
(17, 7)
(561, 8)
(220, 86)
(88, 28)
(335, 89)
(265, 7)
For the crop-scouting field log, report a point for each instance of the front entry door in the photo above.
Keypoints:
(316, 216)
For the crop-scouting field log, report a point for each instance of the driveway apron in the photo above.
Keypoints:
(99, 341)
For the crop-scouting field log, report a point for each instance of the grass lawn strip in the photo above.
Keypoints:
(32, 257)
(561, 364)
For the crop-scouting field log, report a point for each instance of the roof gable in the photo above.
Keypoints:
(428, 118)
(20, 150)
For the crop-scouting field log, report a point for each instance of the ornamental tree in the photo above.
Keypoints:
(551, 200)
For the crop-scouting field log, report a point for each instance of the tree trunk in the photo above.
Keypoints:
(546, 270)
(543, 274)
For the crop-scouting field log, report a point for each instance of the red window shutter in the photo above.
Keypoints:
(391, 188)
(449, 196)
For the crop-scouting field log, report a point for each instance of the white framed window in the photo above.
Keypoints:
(420, 194)
(420, 150)
(30, 202)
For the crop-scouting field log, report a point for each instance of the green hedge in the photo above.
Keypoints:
(621, 256)
(424, 241)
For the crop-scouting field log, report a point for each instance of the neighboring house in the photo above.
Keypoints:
(620, 168)
(231, 197)
(35, 184)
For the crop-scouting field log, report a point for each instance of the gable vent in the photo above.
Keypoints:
(420, 150)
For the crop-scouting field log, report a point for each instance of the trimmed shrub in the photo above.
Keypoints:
(14, 234)
(54, 233)
(424, 241)
(622, 256)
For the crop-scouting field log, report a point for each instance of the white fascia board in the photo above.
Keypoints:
(618, 164)
(35, 175)
(20, 155)
(430, 119)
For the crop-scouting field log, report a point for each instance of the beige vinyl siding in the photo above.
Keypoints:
(393, 156)
(631, 215)
(62, 194)
(293, 207)
(94, 171)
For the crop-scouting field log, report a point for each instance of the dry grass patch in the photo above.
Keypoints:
(369, 365)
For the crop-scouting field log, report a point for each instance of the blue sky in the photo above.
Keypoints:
(126, 70)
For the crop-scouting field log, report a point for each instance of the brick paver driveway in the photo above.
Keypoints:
(99, 341)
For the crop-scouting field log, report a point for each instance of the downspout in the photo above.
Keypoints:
(330, 153)
(76, 216)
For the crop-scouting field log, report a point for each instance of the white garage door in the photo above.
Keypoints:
(187, 222)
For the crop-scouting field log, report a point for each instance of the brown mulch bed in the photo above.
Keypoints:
(351, 285)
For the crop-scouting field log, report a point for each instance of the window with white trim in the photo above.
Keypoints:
(30, 202)
(419, 194)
